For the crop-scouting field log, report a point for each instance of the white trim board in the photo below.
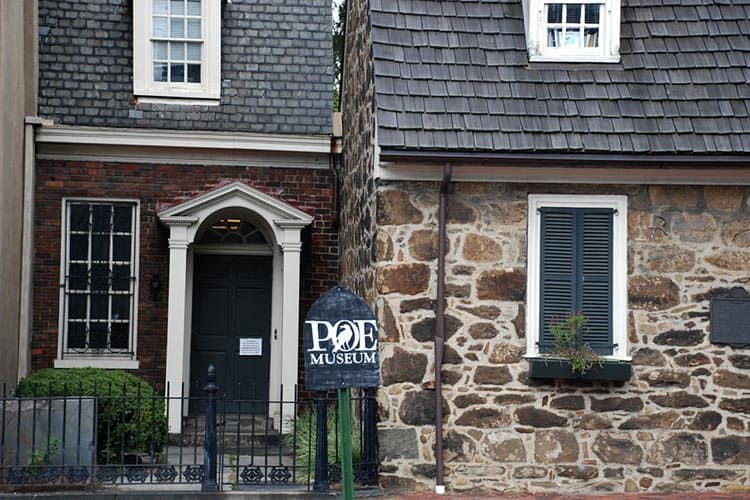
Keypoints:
(293, 143)
(484, 172)
(197, 156)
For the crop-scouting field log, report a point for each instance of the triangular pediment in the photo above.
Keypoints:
(237, 194)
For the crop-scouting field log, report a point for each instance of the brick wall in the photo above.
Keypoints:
(680, 422)
(158, 187)
(276, 68)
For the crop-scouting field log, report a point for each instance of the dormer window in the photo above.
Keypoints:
(573, 30)
(176, 49)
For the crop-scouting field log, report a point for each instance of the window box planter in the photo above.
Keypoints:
(559, 368)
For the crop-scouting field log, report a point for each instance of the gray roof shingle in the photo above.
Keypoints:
(453, 75)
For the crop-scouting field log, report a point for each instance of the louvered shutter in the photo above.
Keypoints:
(576, 273)
(558, 270)
(595, 277)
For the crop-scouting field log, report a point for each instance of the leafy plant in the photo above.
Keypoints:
(567, 335)
(304, 437)
(130, 414)
(44, 457)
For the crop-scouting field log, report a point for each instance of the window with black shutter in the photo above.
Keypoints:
(576, 252)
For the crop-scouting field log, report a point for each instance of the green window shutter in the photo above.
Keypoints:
(576, 273)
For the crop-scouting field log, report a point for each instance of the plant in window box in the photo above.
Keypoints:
(573, 358)
(569, 345)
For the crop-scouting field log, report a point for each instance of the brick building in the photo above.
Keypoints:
(512, 161)
(184, 191)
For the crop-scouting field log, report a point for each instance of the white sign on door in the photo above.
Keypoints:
(251, 346)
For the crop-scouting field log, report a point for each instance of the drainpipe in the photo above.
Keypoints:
(440, 330)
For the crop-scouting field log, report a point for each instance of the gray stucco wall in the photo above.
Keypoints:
(17, 99)
(276, 68)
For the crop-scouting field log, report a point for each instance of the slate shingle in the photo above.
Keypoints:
(683, 85)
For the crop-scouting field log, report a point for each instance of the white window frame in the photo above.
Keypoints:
(144, 85)
(619, 265)
(608, 51)
(126, 361)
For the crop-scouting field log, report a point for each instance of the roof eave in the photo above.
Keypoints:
(542, 158)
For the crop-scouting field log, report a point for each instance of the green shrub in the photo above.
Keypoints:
(130, 414)
(305, 435)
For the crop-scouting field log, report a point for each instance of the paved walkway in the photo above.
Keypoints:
(609, 496)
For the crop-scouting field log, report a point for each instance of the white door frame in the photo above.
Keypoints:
(283, 224)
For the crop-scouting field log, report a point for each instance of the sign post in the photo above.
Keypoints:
(341, 351)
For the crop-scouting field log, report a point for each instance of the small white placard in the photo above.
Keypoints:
(251, 346)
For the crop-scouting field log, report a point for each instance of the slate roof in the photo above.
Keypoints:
(454, 75)
(276, 68)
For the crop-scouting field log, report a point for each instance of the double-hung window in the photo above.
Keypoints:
(573, 30)
(577, 265)
(176, 49)
(99, 283)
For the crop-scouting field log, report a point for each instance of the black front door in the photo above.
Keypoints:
(232, 307)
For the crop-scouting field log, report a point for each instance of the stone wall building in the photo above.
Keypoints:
(604, 174)
(184, 192)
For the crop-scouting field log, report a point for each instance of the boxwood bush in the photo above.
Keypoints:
(130, 414)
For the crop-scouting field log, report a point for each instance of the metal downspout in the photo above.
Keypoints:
(440, 329)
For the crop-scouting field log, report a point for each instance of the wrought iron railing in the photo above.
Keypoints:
(118, 437)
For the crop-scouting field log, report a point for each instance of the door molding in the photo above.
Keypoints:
(283, 224)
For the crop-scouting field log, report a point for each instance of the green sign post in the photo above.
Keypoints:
(345, 433)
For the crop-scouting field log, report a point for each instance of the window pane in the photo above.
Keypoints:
(119, 336)
(76, 335)
(160, 27)
(78, 277)
(591, 37)
(573, 14)
(77, 306)
(160, 72)
(194, 7)
(554, 13)
(177, 51)
(177, 28)
(554, 37)
(79, 217)
(177, 72)
(100, 247)
(99, 277)
(97, 335)
(160, 7)
(573, 38)
(194, 73)
(79, 247)
(592, 13)
(121, 277)
(194, 28)
(121, 307)
(160, 50)
(121, 248)
(123, 219)
(178, 7)
(194, 51)
(100, 218)
(99, 307)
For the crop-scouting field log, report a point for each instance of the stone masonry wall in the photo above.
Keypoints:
(357, 195)
(159, 187)
(682, 422)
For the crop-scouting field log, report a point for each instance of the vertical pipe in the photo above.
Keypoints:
(321, 484)
(440, 330)
(369, 436)
(209, 452)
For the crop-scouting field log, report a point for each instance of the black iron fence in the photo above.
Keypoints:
(119, 437)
